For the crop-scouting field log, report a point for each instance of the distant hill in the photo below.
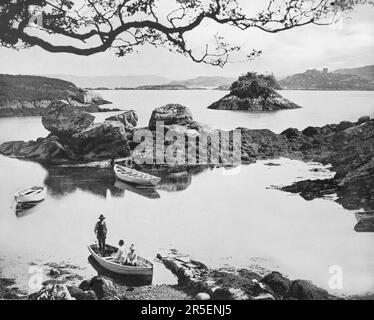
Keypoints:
(161, 87)
(23, 95)
(112, 82)
(366, 72)
(205, 82)
(31, 88)
(324, 80)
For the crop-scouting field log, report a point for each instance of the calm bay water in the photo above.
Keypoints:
(222, 217)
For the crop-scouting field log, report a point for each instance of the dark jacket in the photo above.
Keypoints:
(100, 229)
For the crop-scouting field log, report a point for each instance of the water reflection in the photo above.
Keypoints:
(129, 280)
(365, 221)
(64, 180)
(177, 179)
(150, 192)
(25, 208)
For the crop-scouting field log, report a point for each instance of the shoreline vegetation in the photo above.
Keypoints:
(254, 93)
(24, 96)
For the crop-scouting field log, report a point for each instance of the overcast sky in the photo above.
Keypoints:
(347, 44)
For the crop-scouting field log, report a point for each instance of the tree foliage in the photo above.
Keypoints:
(253, 85)
(87, 27)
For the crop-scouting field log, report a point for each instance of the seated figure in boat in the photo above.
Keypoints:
(132, 257)
(121, 254)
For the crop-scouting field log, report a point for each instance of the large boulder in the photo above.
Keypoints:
(62, 119)
(128, 118)
(306, 290)
(103, 288)
(278, 283)
(79, 294)
(170, 114)
(102, 140)
(42, 149)
(363, 119)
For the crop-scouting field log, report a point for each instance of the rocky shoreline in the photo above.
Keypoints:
(196, 281)
(23, 96)
(75, 138)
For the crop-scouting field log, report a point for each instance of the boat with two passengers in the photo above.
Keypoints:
(143, 268)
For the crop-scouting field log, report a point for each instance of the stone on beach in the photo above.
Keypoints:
(306, 290)
(202, 296)
(103, 288)
(363, 119)
(62, 119)
(232, 284)
(277, 282)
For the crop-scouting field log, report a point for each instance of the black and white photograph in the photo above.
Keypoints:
(186, 151)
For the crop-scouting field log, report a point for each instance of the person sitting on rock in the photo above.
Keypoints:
(132, 257)
(121, 254)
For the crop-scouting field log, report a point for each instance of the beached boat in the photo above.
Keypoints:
(31, 195)
(134, 176)
(144, 267)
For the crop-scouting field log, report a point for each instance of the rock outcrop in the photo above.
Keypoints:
(30, 95)
(274, 102)
(97, 288)
(242, 284)
(128, 118)
(349, 148)
(62, 119)
(170, 114)
(107, 140)
(74, 137)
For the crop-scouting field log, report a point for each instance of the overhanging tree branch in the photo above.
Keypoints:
(103, 25)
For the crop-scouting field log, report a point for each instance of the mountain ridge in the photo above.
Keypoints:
(366, 72)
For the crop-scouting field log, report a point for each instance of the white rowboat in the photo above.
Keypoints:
(34, 194)
(144, 267)
(134, 176)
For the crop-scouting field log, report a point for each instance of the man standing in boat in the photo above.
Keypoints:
(101, 231)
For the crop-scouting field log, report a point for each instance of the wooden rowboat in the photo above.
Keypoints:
(134, 176)
(144, 267)
(31, 195)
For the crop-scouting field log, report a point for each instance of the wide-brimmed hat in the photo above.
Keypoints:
(101, 217)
